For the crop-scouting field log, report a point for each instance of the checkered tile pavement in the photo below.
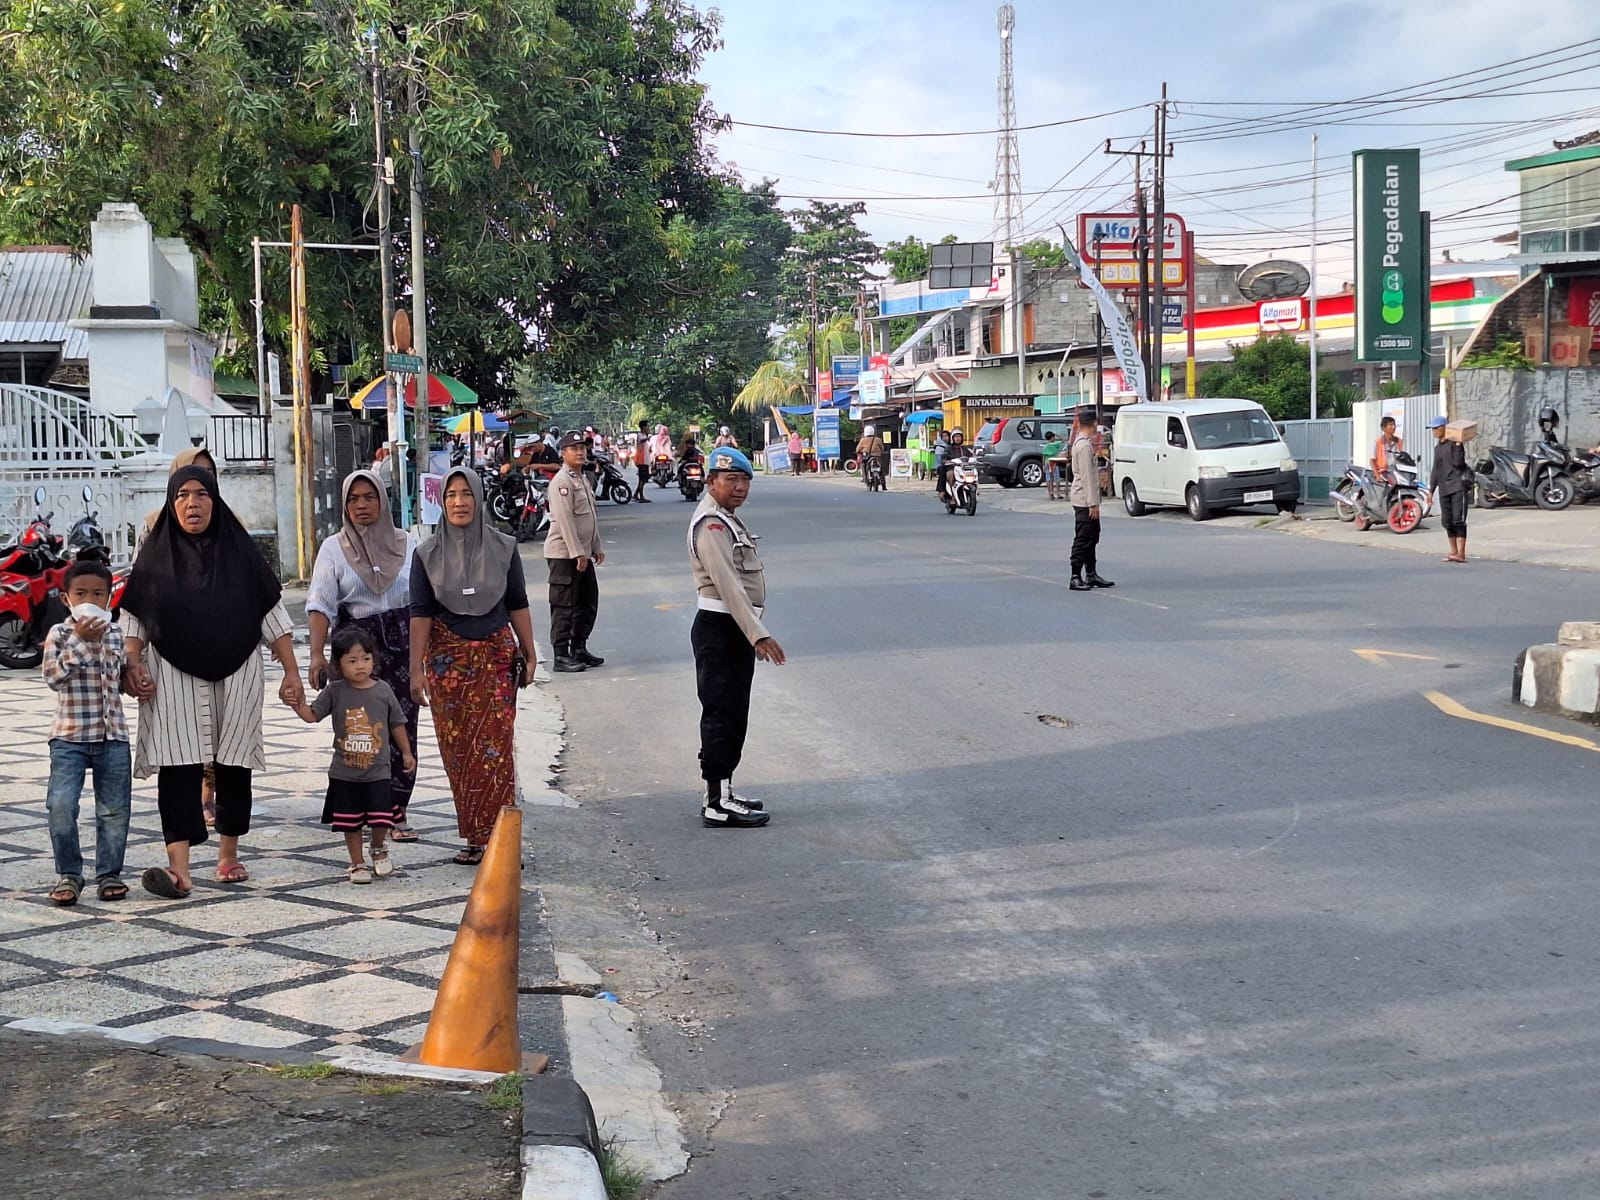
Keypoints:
(298, 957)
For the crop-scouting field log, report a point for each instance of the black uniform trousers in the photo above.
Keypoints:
(724, 668)
(574, 605)
(1453, 513)
(1085, 537)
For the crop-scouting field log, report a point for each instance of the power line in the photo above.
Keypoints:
(945, 133)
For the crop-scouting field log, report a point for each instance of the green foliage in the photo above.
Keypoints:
(505, 1093)
(908, 260)
(1043, 253)
(1275, 372)
(1394, 389)
(830, 247)
(561, 143)
(1507, 353)
(621, 1181)
(312, 1071)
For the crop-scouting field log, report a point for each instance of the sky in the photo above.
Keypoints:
(1241, 179)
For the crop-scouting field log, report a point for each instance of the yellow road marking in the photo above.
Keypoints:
(1452, 708)
(1376, 657)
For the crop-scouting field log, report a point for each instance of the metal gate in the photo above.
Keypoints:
(61, 443)
(1323, 449)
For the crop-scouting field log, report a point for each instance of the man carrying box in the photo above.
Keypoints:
(1449, 482)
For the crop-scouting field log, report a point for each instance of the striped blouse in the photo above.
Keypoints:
(192, 720)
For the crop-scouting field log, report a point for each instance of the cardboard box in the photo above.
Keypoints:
(1461, 431)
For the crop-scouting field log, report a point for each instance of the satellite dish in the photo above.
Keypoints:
(1275, 279)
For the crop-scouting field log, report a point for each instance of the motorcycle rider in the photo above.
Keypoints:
(725, 438)
(871, 446)
(690, 450)
(955, 448)
(1449, 482)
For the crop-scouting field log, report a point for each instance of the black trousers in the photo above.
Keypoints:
(574, 605)
(724, 667)
(1453, 513)
(1085, 537)
(178, 801)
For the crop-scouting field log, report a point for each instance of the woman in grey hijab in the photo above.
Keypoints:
(363, 577)
(472, 647)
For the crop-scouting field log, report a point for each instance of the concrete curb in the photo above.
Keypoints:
(1562, 677)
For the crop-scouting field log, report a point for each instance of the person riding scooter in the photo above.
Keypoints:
(871, 447)
(958, 448)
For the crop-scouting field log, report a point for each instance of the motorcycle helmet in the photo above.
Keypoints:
(724, 431)
(1549, 418)
(869, 431)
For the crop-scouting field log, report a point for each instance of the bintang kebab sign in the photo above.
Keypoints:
(1391, 277)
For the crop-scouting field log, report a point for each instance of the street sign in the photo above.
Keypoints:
(845, 369)
(825, 432)
(402, 364)
(1282, 316)
(1392, 282)
(824, 385)
(1171, 316)
(961, 264)
(1104, 237)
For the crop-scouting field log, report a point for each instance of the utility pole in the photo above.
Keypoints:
(1313, 289)
(419, 246)
(811, 337)
(1158, 324)
(381, 169)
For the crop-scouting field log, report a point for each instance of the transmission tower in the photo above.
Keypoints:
(1007, 182)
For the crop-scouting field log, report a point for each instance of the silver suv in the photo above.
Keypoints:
(1009, 450)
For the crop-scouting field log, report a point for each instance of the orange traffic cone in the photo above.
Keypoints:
(474, 1021)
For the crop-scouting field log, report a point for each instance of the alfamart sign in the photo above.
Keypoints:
(1391, 277)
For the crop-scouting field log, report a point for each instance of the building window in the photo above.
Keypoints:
(958, 339)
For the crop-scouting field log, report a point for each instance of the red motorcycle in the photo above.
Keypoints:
(31, 575)
(535, 516)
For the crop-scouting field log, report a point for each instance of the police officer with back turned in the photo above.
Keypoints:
(572, 552)
(728, 635)
(1084, 493)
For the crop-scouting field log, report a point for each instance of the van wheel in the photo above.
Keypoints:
(1030, 473)
(1196, 506)
(1130, 499)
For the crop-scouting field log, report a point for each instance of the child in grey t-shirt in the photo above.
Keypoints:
(366, 714)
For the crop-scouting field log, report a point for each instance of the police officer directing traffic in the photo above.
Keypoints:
(572, 551)
(728, 635)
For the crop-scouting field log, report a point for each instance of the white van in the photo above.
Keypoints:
(1204, 455)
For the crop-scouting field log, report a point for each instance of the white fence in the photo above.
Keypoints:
(59, 442)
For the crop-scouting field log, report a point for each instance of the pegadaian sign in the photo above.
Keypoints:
(1392, 287)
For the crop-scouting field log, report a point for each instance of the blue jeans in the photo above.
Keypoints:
(113, 798)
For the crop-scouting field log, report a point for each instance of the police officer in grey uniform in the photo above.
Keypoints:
(728, 635)
(572, 552)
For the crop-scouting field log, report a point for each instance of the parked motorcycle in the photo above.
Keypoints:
(1539, 477)
(961, 486)
(692, 480)
(661, 470)
(1394, 498)
(535, 516)
(507, 496)
(608, 481)
(31, 575)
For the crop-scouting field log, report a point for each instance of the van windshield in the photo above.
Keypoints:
(1214, 431)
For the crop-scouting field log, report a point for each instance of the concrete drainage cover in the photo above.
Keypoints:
(1053, 721)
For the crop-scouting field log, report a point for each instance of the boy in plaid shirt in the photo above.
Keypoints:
(84, 657)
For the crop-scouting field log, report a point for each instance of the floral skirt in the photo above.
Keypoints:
(474, 715)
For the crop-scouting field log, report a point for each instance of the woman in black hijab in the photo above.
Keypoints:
(201, 600)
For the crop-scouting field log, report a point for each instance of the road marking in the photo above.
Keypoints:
(1376, 657)
(1455, 709)
(1057, 583)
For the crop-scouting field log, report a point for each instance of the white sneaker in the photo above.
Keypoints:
(381, 866)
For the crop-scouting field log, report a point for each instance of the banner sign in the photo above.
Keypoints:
(1282, 316)
(899, 463)
(431, 510)
(846, 368)
(870, 387)
(776, 457)
(1391, 276)
(825, 432)
(1123, 342)
(1584, 305)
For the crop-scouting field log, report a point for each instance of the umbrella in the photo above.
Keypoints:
(476, 422)
(443, 391)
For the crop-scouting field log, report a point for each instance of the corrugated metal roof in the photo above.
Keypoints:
(40, 291)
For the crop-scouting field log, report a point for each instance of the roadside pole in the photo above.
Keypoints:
(1313, 289)
(394, 394)
(1192, 382)
(419, 286)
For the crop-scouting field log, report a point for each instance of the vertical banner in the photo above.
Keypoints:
(825, 432)
(1391, 272)
(1123, 343)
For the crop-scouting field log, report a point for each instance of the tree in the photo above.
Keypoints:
(910, 260)
(832, 249)
(560, 144)
(1275, 372)
(1043, 253)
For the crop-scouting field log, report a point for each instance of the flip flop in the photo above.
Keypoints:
(470, 857)
(112, 888)
(234, 872)
(403, 833)
(160, 881)
(65, 893)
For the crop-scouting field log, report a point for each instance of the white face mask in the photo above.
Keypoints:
(91, 612)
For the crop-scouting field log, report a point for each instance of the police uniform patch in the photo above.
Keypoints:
(716, 526)
(564, 491)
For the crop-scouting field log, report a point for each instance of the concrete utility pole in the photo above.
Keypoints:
(1313, 288)
(1158, 323)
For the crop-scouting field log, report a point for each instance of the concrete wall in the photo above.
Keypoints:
(1506, 404)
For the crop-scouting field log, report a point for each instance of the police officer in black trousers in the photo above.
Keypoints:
(728, 636)
(1084, 494)
(572, 552)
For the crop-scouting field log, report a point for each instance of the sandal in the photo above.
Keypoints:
(403, 833)
(233, 872)
(65, 893)
(163, 882)
(360, 873)
(112, 888)
(381, 866)
(469, 857)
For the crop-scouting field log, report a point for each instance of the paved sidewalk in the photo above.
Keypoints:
(298, 957)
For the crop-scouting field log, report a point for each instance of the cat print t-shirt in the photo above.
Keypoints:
(362, 718)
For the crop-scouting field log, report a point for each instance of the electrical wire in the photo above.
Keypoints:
(946, 133)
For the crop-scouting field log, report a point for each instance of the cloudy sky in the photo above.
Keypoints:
(1250, 83)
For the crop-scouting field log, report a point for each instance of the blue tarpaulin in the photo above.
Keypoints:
(922, 418)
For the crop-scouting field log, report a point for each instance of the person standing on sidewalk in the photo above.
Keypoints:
(797, 452)
(362, 579)
(1084, 494)
(83, 662)
(1050, 451)
(572, 552)
(1449, 482)
(641, 462)
(727, 636)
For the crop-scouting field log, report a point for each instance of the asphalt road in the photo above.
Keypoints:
(1244, 916)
